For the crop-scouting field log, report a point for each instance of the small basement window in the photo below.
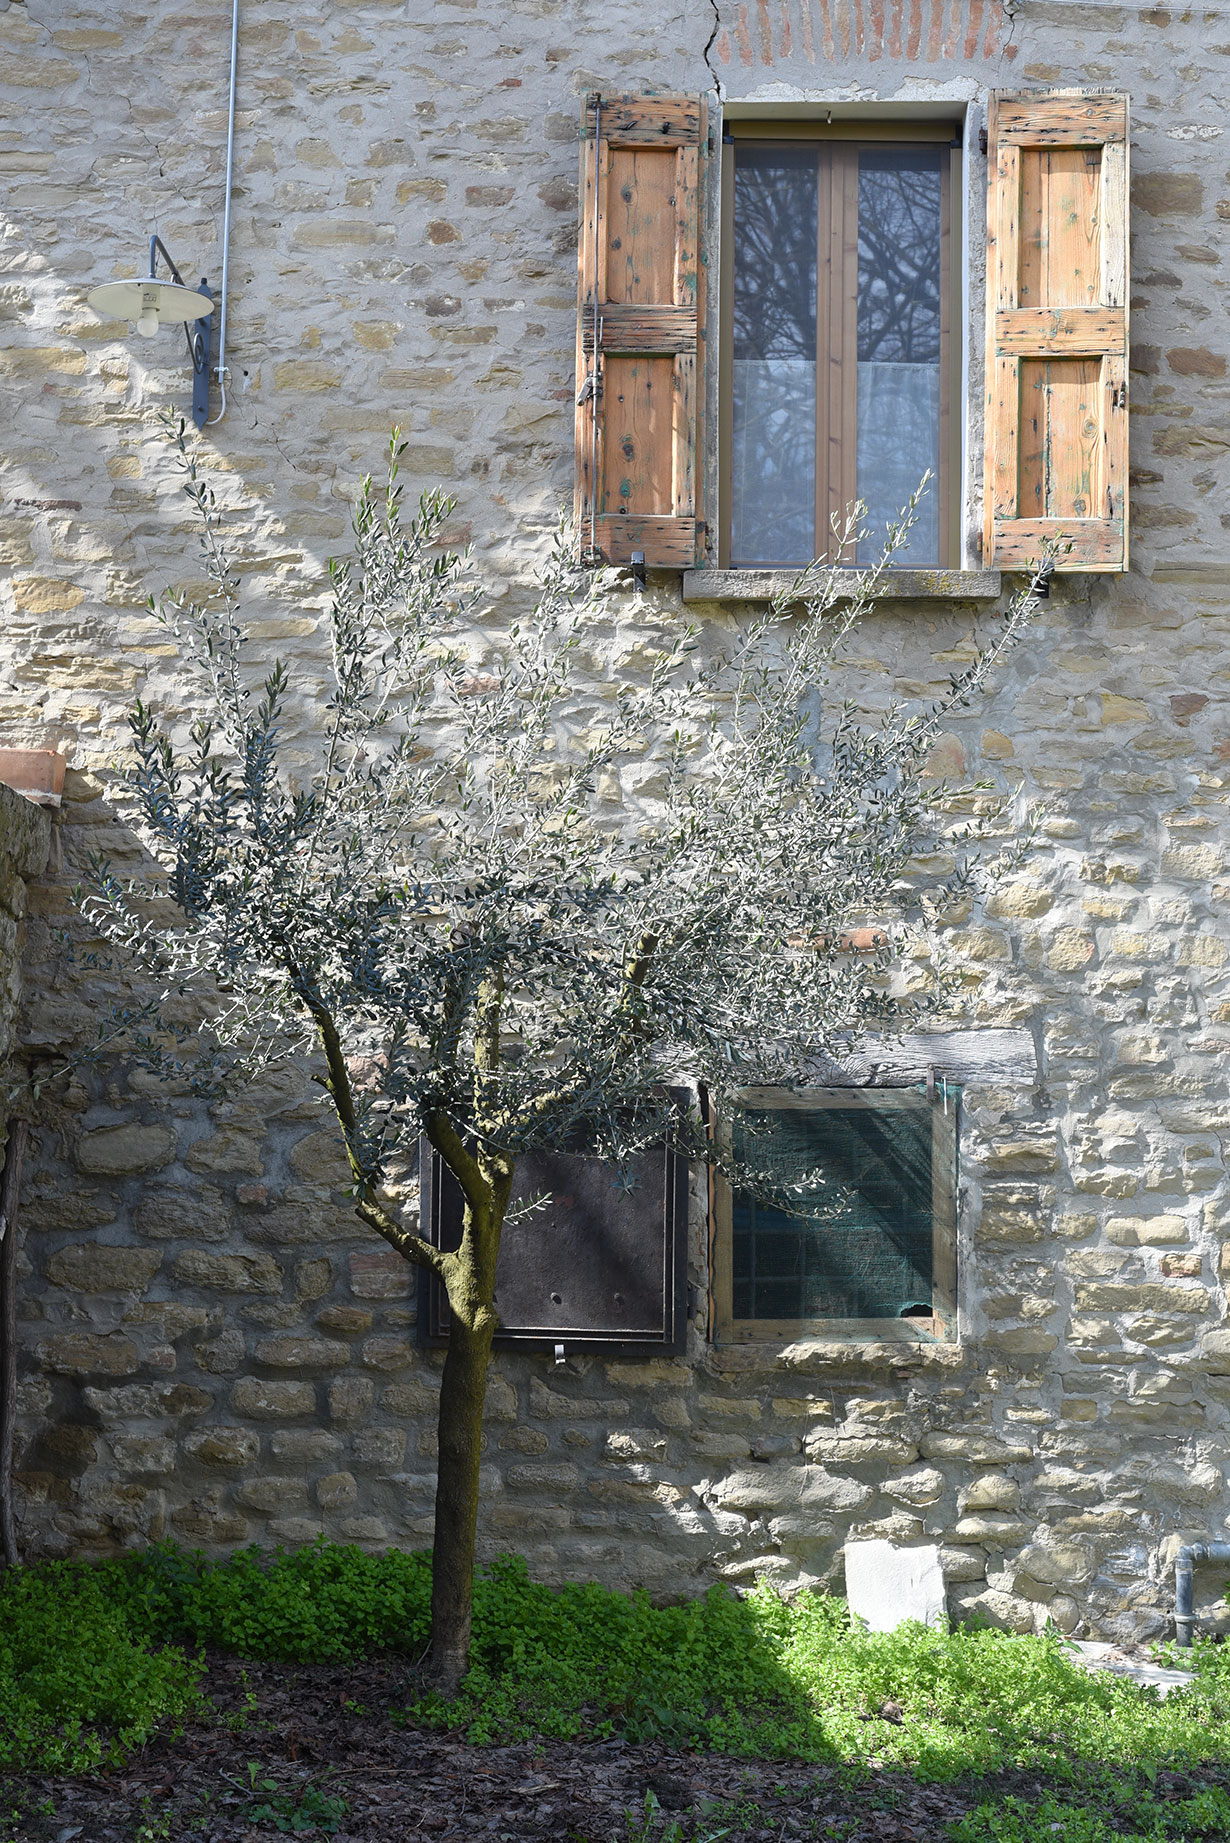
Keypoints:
(600, 1261)
(847, 1226)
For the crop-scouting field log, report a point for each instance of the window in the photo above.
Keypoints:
(603, 1264)
(839, 356)
(837, 333)
(850, 1229)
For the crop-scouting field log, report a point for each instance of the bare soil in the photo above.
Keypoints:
(330, 1733)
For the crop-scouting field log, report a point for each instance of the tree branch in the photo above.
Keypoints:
(460, 1161)
(410, 1246)
(487, 1027)
(636, 970)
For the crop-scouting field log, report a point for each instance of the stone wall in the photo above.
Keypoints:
(215, 1349)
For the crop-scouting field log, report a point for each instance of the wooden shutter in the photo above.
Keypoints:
(1057, 328)
(638, 347)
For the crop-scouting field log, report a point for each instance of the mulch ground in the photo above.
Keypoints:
(321, 1733)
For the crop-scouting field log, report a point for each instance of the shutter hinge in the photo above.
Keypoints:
(1118, 396)
(983, 143)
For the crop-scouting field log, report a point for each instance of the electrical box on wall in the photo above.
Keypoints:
(602, 1262)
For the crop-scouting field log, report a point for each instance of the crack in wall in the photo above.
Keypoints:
(717, 26)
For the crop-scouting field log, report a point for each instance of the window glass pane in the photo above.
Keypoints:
(899, 285)
(847, 1229)
(773, 409)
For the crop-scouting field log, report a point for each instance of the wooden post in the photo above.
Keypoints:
(10, 1190)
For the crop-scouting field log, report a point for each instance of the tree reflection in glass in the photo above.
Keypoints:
(899, 287)
(773, 410)
(881, 302)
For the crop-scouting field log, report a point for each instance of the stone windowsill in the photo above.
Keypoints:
(812, 1356)
(898, 585)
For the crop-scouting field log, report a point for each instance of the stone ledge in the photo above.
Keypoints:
(825, 1356)
(1209, 574)
(898, 585)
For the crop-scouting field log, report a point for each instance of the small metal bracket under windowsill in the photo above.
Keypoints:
(895, 586)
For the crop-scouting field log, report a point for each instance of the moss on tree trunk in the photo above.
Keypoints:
(470, 1282)
(463, 1388)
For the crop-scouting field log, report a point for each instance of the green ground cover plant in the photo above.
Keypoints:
(79, 1688)
(1107, 1810)
(325, 1603)
(768, 1678)
(292, 1813)
(1122, 1814)
(94, 1657)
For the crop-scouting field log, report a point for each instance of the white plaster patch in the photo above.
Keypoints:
(887, 1584)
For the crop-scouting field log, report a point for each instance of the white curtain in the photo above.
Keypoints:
(898, 440)
(773, 464)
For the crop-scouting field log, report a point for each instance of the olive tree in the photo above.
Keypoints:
(536, 875)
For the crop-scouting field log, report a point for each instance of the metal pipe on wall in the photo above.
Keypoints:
(1190, 1556)
(220, 370)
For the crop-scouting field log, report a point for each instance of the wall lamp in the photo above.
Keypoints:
(152, 303)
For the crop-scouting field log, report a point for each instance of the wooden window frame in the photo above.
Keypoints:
(941, 1327)
(836, 456)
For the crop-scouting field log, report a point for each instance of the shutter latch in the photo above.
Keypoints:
(592, 387)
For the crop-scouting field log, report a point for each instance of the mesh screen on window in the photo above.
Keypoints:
(841, 1225)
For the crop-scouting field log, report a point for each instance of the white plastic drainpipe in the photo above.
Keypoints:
(220, 369)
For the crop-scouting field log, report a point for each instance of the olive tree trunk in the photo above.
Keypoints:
(463, 1388)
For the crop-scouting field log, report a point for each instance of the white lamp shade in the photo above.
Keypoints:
(147, 298)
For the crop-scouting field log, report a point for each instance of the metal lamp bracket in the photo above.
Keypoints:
(199, 338)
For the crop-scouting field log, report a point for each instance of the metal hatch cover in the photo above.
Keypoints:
(602, 1264)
